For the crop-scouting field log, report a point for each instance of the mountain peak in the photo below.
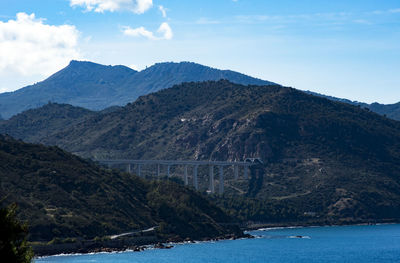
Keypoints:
(77, 62)
(187, 71)
(96, 87)
(83, 64)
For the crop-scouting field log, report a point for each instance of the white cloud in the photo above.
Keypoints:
(165, 32)
(137, 32)
(163, 11)
(100, 6)
(393, 11)
(29, 46)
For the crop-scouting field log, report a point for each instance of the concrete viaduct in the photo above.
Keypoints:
(168, 163)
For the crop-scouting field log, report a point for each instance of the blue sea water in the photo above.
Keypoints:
(355, 244)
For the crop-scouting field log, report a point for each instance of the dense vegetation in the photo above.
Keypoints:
(53, 118)
(13, 237)
(64, 196)
(97, 87)
(323, 160)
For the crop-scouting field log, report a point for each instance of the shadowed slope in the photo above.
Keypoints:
(62, 195)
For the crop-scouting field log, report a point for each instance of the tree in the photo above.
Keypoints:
(13, 237)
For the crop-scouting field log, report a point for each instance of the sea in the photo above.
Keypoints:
(355, 244)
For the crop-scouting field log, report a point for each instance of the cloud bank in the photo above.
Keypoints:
(100, 6)
(29, 46)
(164, 32)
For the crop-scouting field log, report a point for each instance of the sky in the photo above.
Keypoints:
(347, 49)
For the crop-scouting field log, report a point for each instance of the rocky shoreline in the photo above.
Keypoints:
(143, 242)
(135, 244)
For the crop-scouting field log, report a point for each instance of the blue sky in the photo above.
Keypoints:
(348, 49)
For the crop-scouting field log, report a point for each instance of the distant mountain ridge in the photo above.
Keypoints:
(96, 87)
(389, 110)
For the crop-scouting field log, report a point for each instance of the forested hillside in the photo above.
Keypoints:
(63, 196)
(327, 159)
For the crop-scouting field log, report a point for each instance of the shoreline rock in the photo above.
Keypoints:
(124, 245)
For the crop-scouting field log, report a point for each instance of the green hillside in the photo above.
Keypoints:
(33, 125)
(323, 160)
(64, 196)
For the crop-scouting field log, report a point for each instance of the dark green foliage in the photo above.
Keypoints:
(45, 121)
(97, 87)
(63, 196)
(186, 214)
(13, 237)
(321, 157)
(246, 209)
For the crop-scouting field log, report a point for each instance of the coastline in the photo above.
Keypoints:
(313, 226)
(257, 226)
(122, 245)
(165, 245)
(315, 244)
(169, 243)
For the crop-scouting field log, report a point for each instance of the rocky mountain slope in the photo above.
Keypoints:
(328, 160)
(64, 196)
(96, 87)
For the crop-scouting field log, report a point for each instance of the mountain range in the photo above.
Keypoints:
(388, 110)
(331, 161)
(96, 87)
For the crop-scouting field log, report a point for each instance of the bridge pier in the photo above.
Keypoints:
(246, 172)
(221, 179)
(195, 180)
(128, 168)
(127, 164)
(236, 171)
(212, 190)
(186, 175)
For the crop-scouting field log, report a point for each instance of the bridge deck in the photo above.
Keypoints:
(174, 162)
